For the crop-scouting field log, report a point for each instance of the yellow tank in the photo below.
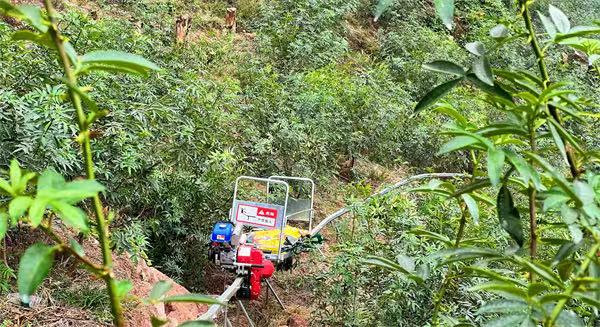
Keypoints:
(268, 240)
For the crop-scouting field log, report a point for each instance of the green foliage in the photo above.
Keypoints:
(533, 107)
(7, 274)
(33, 268)
(52, 191)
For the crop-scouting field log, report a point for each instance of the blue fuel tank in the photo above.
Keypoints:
(222, 232)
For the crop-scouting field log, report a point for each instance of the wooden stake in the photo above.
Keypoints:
(182, 26)
(230, 19)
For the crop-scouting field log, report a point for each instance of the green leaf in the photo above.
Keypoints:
(477, 48)
(472, 206)
(560, 20)
(76, 247)
(29, 13)
(457, 143)
(18, 206)
(559, 178)
(568, 318)
(490, 274)
(508, 320)
(122, 288)
(118, 59)
(565, 251)
(71, 215)
(3, 225)
(52, 186)
(503, 306)
(548, 25)
(593, 58)
(391, 265)
(541, 271)
(495, 162)
(553, 297)
(78, 190)
(406, 262)
(554, 198)
(437, 93)
(195, 298)
(33, 268)
(432, 235)
(157, 322)
(37, 38)
(509, 216)
(50, 179)
(15, 173)
(566, 135)
(5, 186)
(503, 288)
(159, 290)
(578, 31)
(381, 8)
(483, 70)
(462, 254)
(445, 10)
(446, 67)
(559, 142)
(22, 185)
(36, 211)
(453, 113)
(584, 191)
(71, 53)
(525, 170)
(495, 90)
(536, 288)
(499, 32)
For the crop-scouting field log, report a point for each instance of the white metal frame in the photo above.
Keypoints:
(268, 182)
(312, 195)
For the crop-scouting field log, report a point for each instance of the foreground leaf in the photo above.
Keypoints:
(503, 306)
(548, 25)
(393, 266)
(542, 271)
(483, 70)
(123, 287)
(159, 290)
(457, 143)
(18, 206)
(472, 206)
(3, 225)
(437, 93)
(509, 216)
(33, 268)
(499, 32)
(560, 20)
(446, 67)
(495, 90)
(495, 162)
(117, 59)
(445, 9)
(72, 216)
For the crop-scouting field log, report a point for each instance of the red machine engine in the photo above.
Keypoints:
(259, 268)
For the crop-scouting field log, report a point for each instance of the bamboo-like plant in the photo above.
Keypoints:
(513, 157)
(52, 195)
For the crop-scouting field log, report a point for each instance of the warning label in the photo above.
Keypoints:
(256, 215)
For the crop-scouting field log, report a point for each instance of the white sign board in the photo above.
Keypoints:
(258, 214)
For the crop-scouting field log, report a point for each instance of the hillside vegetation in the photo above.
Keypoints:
(319, 88)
